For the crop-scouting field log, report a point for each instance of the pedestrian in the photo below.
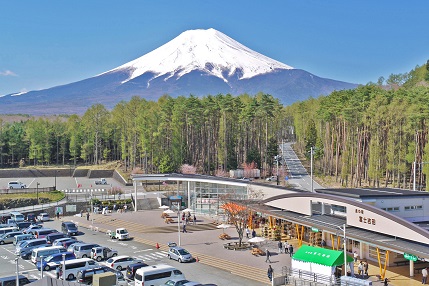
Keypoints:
(247, 232)
(81, 213)
(195, 220)
(386, 282)
(424, 275)
(360, 269)
(280, 245)
(270, 273)
(253, 233)
(355, 256)
(323, 243)
(365, 267)
(184, 228)
(290, 250)
(268, 255)
(125, 208)
(286, 247)
(87, 215)
(57, 272)
(58, 214)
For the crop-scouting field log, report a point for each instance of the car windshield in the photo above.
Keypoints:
(71, 225)
(110, 260)
(183, 251)
(49, 258)
(123, 231)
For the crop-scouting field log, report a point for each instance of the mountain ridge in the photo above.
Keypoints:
(198, 62)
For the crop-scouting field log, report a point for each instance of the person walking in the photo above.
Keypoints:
(280, 246)
(268, 255)
(253, 233)
(247, 232)
(57, 271)
(184, 228)
(424, 275)
(286, 247)
(290, 250)
(355, 256)
(386, 282)
(365, 267)
(87, 215)
(270, 273)
(195, 220)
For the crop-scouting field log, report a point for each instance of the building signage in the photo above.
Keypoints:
(314, 229)
(410, 257)
(364, 219)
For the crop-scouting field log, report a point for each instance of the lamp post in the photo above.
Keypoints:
(178, 220)
(64, 266)
(345, 248)
(17, 270)
(311, 167)
(37, 192)
(41, 266)
(277, 158)
(55, 184)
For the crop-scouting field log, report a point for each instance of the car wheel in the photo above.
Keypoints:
(98, 258)
(114, 254)
(1, 242)
(47, 268)
(119, 268)
(179, 260)
(22, 187)
(70, 277)
(84, 256)
(11, 188)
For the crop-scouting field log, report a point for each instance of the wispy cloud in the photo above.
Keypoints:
(7, 73)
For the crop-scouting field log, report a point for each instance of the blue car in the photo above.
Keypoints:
(52, 261)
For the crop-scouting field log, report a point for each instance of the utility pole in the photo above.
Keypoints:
(311, 167)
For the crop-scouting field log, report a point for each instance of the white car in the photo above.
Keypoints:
(121, 262)
(16, 185)
(43, 217)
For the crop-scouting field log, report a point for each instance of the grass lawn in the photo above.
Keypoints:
(53, 196)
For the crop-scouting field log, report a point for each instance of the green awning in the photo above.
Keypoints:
(321, 255)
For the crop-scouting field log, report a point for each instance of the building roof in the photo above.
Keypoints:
(360, 193)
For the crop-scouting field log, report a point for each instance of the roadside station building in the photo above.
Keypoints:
(384, 225)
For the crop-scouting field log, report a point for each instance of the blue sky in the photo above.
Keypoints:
(48, 43)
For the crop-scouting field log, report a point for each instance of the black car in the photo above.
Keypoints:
(132, 268)
(23, 224)
(85, 276)
(31, 217)
(69, 228)
(55, 235)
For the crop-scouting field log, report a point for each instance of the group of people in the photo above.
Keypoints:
(288, 248)
(248, 233)
(186, 219)
(363, 268)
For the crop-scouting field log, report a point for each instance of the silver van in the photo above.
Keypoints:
(30, 244)
(22, 237)
(8, 229)
(9, 237)
(83, 250)
(17, 216)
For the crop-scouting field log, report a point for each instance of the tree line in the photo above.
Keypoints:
(212, 133)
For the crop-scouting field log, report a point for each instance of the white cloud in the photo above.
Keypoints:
(7, 73)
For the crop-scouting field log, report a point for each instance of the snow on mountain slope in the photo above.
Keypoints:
(205, 50)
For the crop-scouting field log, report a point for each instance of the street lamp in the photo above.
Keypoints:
(277, 158)
(311, 167)
(345, 248)
(178, 220)
(17, 270)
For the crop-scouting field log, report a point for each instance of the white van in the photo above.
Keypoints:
(17, 216)
(16, 185)
(74, 265)
(155, 275)
(45, 252)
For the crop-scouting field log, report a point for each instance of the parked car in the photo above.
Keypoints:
(59, 241)
(50, 238)
(102, 253)
(4, 218)
(22, 237)
(132, 268)
(69, 228)
(119, 234)
(9, 237)
(82, 250)
(176, 282)
(85, 276)
(180, 254)
(102, 181)
(31, 217)
(272, 178)
(32, 227)
(121, 262)
(52, 261)
(70, 242)
(23, 224)
(11, 280)
(42, 232)
(43, 217)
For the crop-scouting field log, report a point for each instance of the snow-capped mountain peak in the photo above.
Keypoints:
(209, 51)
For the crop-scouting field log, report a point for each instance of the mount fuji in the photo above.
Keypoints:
(198, 62)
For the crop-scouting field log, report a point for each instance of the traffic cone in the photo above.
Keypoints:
(157, 245)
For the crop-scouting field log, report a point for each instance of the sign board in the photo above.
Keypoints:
(70, 208)
(410, 257)
(314, 229)
(59, 210)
